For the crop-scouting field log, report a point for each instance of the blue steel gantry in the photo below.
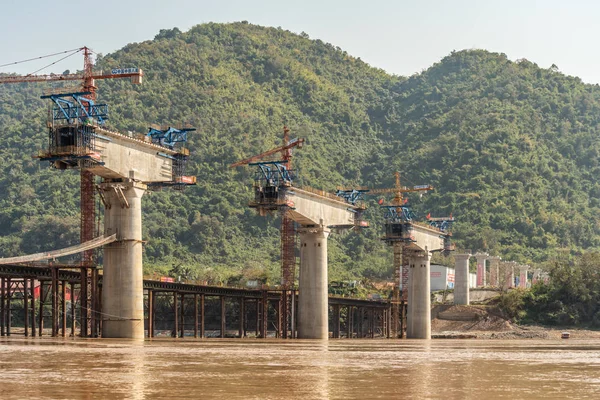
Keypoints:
(169, 136)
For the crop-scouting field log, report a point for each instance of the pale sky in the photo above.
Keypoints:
(401, 37)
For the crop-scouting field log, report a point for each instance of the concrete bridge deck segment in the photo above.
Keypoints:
(425, 238)
(126, 157)
(319, 208)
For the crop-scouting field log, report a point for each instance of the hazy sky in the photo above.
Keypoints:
(401, 37)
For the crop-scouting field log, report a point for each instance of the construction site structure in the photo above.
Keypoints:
(317, 213)
(397, 233)
(280, 174)
(78, 138)
(412, 244)
(82, 108)
(127, 164)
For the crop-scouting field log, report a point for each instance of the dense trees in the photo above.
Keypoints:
(511, 148)
(571, 296)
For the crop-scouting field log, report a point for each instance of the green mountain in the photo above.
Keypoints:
(510, 147)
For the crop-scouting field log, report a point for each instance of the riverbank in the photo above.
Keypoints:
(481, 322)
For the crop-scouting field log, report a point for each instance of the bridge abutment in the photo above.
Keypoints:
(313, 308)
(122, 287)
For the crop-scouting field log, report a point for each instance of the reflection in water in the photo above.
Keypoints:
(321, 370)
(137, 377)
(272, 369)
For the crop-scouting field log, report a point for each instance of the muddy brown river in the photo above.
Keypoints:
(272, 369)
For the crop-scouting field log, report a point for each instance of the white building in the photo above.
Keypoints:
(442, 278)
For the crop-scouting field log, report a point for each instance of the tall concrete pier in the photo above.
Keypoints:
(508, 274)
(523, 276)
(313, 321)
(419, 309)
(122, 291)
(481, 270)
(495, 271)
(461, 279)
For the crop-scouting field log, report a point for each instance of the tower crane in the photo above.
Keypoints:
(82, 109)
(275, 175)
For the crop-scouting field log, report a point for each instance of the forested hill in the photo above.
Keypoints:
(511, 148)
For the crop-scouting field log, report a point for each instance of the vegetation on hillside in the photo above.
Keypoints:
(571, 296)
(511, 148)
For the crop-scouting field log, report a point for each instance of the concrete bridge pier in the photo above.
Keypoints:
(461, 277)
(419, 306)
(523, 276)
(122, 288)
(481, 270)
(313, 307)
(495, 271)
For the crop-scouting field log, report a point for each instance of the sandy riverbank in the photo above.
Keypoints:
(486, 323)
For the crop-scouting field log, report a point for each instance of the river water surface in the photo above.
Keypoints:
(272, 369)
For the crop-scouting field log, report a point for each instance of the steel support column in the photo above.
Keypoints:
(176, 311)
(73, 309)
(41, 311)
(202, 309)
(242, 312)
(361, 322)
(196, 315)
(265, 314)
(336, 321)
(348, 322)
(2, 303)
(223, 321)
(26, 306)
(32, 305)
(257, 315)
(63, 308)
(278, 308)
(54, 302)
(182, 327)
(150, 313)
(8, 306)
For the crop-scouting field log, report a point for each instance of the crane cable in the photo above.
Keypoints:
(37, 58)
(57, 61)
